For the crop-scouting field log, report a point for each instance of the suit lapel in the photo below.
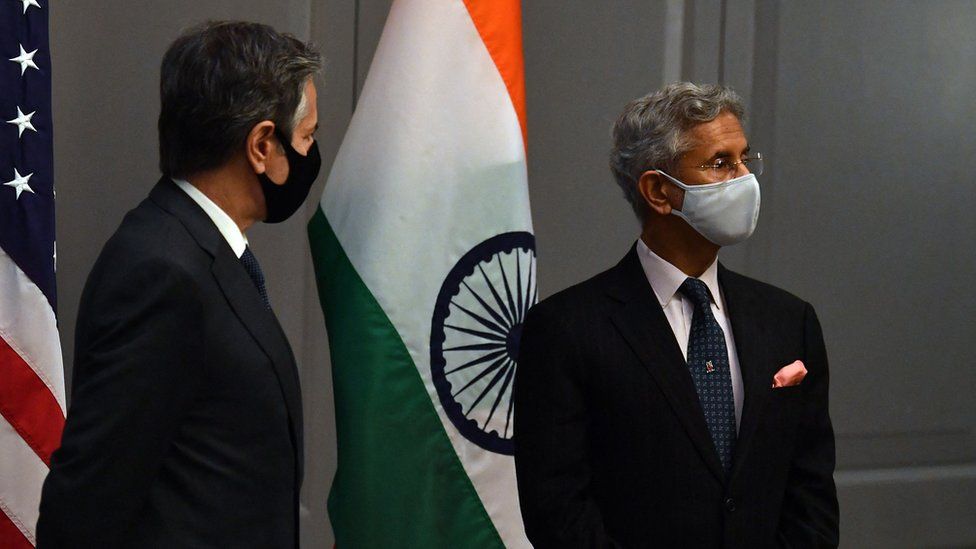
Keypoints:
(750, 343)
(241, 293)
(263, 327)
(641, 321)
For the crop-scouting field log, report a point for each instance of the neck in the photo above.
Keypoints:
(674, 241)
(234, 189)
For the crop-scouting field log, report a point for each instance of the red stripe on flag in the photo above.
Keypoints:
(28, 405)
(10, 536)
(499, 22)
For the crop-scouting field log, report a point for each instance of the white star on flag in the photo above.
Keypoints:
(23, 121)
(19, 183)
(25, 59)
(29, 3)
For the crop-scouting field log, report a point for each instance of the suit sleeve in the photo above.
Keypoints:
(137, 366)
(810, 512)
(551, 447)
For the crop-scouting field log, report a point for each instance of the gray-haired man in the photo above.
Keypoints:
(669, 402)
(185, 426)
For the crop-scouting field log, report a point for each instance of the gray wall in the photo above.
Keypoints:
(863, 107)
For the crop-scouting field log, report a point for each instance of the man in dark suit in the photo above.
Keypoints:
(670, 402)
(185, 426)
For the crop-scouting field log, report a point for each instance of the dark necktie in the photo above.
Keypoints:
(708, 360)
(254, 270)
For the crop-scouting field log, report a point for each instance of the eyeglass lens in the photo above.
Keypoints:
(728, 171)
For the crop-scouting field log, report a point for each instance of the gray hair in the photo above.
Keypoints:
(300, 111)
(651, 133)
(221, 78)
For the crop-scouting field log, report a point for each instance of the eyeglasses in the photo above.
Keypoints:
(723, 169)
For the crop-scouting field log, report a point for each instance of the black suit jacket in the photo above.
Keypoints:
(611, 445)
(185, 425)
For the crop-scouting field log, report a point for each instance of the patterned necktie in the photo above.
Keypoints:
(254, 270)
(708, 360)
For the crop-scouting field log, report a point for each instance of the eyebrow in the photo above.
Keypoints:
(725, 153)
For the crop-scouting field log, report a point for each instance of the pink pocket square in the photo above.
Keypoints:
(790, 375)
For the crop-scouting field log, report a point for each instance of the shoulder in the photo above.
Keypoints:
(778, 309)
(150, 249)
(149, 233)
(771, 297)
(579, 301)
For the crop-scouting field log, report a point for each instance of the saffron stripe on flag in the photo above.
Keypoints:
(454, 167)
(21, 478)
(28, 404)
(499, 23)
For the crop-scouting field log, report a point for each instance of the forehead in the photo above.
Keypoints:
(722, 135)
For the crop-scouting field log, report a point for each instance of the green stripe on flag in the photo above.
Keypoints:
(399, 482)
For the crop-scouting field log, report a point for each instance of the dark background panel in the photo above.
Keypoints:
(582, 66)
(862, 108)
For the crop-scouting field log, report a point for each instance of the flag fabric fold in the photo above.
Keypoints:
(425, 262)
(32, 398)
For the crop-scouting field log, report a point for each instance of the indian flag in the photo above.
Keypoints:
(425, 262)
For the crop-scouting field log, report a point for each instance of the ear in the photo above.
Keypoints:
(258, 145)
(659, 194)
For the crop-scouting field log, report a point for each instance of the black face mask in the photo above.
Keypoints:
(284, 200)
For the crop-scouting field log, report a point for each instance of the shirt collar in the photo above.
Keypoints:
(665, 278)
(231, 232)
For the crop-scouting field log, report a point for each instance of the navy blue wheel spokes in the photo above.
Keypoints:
(475, 335)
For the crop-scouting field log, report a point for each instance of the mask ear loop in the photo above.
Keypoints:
(673, 180)
(682, 186)
(704, 186)
(285, 142)
(289, 149)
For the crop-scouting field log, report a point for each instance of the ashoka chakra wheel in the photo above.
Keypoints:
(475, 335)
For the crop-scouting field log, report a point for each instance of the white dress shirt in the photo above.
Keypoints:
(665, 278)
(232, 233)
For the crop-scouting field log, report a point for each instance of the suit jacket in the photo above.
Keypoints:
(185, 425)
(611, 444)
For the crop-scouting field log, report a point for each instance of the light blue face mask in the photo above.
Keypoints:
(725, 213)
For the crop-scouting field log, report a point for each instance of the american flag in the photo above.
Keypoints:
(32, 405)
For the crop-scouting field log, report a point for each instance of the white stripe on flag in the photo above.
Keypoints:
(28, 325)
(405, 205)
(21, 478)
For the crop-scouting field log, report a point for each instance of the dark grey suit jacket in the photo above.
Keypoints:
(185, 425)
(611, 444)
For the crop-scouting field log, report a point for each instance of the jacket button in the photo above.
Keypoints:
(729, 504)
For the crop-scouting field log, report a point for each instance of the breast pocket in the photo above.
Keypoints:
(785, 407)
(787, 392)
